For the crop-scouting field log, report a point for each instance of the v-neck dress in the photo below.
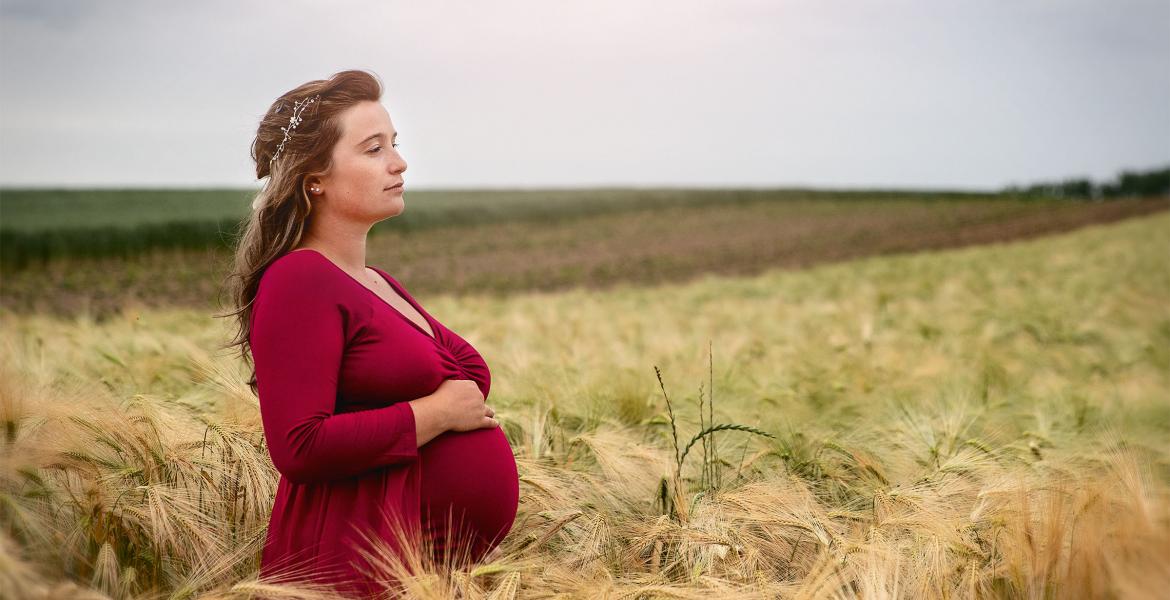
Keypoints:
(335, 368)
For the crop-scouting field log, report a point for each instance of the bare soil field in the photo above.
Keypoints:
(656, 245)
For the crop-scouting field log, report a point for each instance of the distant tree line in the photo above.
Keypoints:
(1129, 184)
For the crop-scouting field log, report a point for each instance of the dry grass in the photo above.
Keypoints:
(984, 422)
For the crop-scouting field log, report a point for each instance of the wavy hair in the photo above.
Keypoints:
(281, 209)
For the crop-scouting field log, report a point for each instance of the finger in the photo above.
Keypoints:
(489, 412)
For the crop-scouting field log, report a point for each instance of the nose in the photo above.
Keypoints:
(397, 163)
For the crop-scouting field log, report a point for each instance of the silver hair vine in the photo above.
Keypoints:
(293, 121)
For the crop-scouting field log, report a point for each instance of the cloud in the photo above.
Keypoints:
(742, 92)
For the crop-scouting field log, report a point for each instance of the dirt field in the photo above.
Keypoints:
(661, 244)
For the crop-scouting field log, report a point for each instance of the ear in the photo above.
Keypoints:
(313, 185)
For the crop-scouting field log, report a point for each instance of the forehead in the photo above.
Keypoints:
(365, 118)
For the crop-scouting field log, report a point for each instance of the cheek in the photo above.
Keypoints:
(354, 179)
(362, 174)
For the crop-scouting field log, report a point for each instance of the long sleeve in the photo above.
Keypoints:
(297, 339)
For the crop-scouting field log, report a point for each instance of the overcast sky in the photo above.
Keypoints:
(911, 94)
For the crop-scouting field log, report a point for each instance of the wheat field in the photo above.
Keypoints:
(986, 422)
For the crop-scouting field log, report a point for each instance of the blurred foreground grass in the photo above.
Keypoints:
(984, 422)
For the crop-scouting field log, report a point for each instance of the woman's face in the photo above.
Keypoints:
(364, 183)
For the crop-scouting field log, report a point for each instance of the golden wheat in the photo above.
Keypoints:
(984, 422)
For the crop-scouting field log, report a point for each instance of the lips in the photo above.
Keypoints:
(397, 185)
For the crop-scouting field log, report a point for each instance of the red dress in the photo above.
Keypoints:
(335, 367)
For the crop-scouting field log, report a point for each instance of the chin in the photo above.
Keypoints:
(392, 208)
(397, 206)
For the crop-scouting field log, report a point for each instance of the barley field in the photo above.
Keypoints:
(983, 422)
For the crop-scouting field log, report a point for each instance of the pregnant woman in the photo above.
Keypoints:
(374, 412)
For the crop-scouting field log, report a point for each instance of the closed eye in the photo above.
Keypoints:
(377, 149)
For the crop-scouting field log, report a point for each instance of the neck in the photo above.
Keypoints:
(344, 244)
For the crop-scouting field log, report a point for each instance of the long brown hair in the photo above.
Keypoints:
(282, 208)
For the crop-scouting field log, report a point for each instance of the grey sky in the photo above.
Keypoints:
(927, 93)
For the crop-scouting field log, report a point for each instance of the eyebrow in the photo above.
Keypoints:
(376, 135)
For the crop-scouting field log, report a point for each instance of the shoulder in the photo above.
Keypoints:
(302, 289)
(304, 279)
(296, 270)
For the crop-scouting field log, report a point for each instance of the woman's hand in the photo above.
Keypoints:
(464, 405)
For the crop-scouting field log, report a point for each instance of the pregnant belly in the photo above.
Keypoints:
(470, 492)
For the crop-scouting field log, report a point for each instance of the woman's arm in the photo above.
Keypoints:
(297, 341)
(429, 418)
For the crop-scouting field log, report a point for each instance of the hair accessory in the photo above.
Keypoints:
(293, 121)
